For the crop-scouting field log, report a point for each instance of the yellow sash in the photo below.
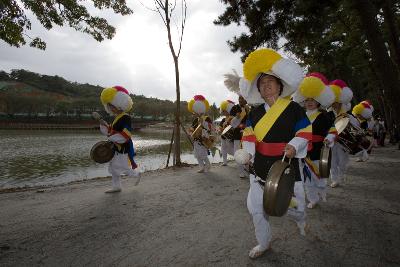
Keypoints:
(118, 117)
(265, 123)
(313, 116)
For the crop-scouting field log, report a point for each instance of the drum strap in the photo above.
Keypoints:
(267, 121)
(312, 167)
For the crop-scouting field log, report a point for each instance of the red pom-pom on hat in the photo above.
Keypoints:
(121, 89)
(320, 76)
(199, 98)
(339, 83)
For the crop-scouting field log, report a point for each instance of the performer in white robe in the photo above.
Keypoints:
(363, 112)
(199, 106)
(226, 141)
(315, 95)
(117, 102)
(340, 157)
(276, 126)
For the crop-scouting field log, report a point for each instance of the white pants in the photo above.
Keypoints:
(120, 164)
(201, 154)
(255, 206)
(226, 148)
(340, 158)
(236, 146)
(315, 187)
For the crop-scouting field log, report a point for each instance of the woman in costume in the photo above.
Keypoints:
(340, 157)
(276, 126)
(199, 106)
(117, 102)
(226, 142)
(315, 95)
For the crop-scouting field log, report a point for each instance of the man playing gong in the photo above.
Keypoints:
(276, 127)
(342, 104)
(117, 102)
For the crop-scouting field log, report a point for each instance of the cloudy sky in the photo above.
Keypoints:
(138, 57)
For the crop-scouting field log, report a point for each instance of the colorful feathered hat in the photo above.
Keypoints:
(117, 96)
(364, 109)
(226, 105)
(198, 105)
(343, 93)
(316, 86)
(268, 61)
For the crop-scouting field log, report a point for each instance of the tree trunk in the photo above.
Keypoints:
(177, 139)
(386, 69)
(391, 24)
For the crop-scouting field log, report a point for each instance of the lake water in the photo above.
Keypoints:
(35, 158)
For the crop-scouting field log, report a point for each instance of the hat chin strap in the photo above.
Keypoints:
(272, 99)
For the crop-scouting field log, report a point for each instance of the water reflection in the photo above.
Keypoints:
(31, 158)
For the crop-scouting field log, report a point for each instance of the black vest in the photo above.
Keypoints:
(283, 130)
(122, 123)
(320, 127)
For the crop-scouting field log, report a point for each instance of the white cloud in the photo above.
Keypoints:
(138, 57)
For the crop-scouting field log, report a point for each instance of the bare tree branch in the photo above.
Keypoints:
(184, 8)
(147, 6)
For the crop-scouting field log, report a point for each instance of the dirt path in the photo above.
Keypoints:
(182, 218)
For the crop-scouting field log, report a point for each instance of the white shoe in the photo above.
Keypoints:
(243, 175)
(257, 251)
(311, 205)
(224, 164)
(136, 175)
(334, 184)
(113, 190)
(207, 168)
(201, 170)
(302, 228)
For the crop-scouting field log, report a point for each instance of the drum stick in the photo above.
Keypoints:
(98, 117)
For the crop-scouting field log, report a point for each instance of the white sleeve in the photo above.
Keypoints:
(250, 147)
(331, 138)
(103, 129)
(354, 121)
(205, 130)
(204, 133)
(117, 138)
(300, 144)
(235, 122)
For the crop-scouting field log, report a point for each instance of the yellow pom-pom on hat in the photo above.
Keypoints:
(259, 61)
(336, 90)
(358, 109)
(190, 105)
(226, 105)
(311, 87)
(107, 95)
(343, 93)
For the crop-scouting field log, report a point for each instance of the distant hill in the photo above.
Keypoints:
(28, 94)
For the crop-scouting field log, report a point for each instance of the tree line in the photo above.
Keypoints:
(27, 94)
